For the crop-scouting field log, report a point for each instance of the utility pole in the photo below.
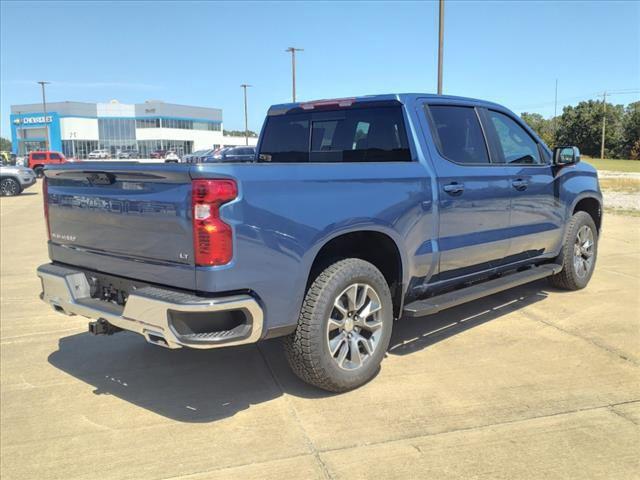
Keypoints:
(293, 51)
(604, 122)
(440, 46)
(555, 115)
(44, 109)
(246, 116)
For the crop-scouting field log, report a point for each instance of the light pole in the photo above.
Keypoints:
(44, 109)
(555, 116)
(246, 116)
(440, 46)
(293, 51)
(604, 123)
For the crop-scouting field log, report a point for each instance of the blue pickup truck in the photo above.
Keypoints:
(354, 213)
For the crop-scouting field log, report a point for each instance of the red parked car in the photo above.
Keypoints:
(38, 160)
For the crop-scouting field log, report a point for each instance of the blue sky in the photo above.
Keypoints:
(200, 52)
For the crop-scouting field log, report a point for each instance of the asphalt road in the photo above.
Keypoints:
(530, 383)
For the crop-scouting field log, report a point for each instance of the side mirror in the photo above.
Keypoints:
(566, 155)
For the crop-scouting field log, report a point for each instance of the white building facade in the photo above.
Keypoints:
(77, 128)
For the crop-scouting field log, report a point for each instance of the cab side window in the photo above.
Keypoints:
(515, 145)
(458, 134)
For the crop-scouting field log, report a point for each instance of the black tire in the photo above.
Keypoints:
(307, 349)
(10, 187)
(570, 277)
(39, 171)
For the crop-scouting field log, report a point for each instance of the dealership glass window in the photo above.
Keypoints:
(26, 146)
(30, 133)
(78, 148)
(181, 147)
(117, 134)
(148, 123)
(204, 125)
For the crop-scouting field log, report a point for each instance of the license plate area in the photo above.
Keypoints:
(111, 289)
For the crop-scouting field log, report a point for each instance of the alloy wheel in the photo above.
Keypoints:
(354, 326)
(9, 187)
(583, 250)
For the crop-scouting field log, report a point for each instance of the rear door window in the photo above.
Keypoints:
(372, 134)
(458, 134)
(38, 156)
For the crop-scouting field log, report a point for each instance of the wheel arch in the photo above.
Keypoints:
(591, 203)
(373, 245)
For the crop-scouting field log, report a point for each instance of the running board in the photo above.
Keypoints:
(429, 306)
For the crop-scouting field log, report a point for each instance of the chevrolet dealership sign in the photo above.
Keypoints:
(32, 120)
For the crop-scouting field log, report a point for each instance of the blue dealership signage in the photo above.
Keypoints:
(50, 121)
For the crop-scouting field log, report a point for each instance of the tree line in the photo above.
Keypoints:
(581, 125)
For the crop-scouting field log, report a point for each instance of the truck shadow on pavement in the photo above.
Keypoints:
(198, 386)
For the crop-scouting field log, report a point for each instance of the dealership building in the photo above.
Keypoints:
(77, 128)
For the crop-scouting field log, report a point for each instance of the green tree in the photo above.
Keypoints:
(632, 131)
(582, 126)
(542, 126)
(5, 144)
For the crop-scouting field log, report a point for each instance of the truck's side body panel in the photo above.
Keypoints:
(285, 213)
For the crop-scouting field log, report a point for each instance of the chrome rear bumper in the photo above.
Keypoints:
(151, 311)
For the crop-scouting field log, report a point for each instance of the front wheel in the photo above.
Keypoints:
(9, 187)
(579, 252)
(344, 327)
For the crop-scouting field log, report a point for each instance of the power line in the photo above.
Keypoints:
(578, 97)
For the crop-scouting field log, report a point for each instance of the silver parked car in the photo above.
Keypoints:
(15, 178)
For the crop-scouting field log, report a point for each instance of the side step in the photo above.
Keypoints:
(429, 306)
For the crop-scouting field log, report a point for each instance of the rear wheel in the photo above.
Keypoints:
(39, 171)
(9, 187)
(344, 327)
(579, 252)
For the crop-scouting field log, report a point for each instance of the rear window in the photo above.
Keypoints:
(353, 135)
(458, 134)
(38, 156)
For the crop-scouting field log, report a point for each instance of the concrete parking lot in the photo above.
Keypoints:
(530, 383)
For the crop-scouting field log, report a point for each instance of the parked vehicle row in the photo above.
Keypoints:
(356, 212)
(223, 154)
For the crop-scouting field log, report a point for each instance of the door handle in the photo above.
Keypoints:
(520, 184)
(454, 188)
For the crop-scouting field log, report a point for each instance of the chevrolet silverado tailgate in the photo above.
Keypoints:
(131, 220)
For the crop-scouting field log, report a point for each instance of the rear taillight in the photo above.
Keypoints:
(212, 238)
(45, 199)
